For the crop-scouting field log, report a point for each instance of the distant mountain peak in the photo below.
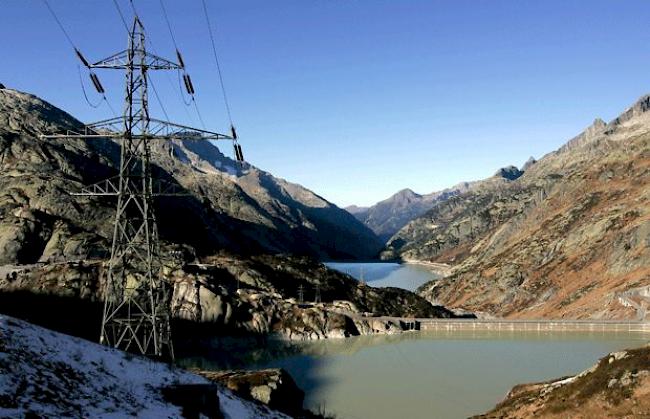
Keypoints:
(407, 193)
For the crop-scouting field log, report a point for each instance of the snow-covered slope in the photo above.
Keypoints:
(54, 375)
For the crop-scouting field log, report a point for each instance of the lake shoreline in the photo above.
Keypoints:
(441, 269)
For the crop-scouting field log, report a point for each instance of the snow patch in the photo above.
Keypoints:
(55, 375)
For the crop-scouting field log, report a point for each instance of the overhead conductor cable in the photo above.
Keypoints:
(93, 77)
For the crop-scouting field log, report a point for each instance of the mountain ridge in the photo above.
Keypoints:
(563, 240)
(235, 207)
(388, 216)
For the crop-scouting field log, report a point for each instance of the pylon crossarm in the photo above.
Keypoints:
(111, 187)
(86, 132)
(158, 130)
(111, 125)
(170, 131)
(121, 61)
(107, 187)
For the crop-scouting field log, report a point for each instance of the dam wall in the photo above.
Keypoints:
(529, 325)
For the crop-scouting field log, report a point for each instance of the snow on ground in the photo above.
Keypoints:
(55, 375)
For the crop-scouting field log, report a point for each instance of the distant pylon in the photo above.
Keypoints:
(317, 294)
(301, 294)
(137, 298)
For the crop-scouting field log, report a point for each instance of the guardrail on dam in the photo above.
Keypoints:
(525, 325)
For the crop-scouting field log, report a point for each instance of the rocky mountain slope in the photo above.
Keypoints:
(387, 217)
(563, 240)
(437, 230)
(239, 208)
(616, 387)
(48, 374)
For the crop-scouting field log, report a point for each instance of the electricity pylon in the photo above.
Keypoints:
(137, 311)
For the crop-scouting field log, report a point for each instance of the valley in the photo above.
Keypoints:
(522, 244)
(320, 210)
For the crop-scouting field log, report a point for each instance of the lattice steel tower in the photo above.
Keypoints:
(136, 313)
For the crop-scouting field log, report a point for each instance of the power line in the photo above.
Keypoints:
(155, 92)
(58, 22)
(169, 26)
(73, 45)
(119, 11)
(216, 60)
(135, 12)
(110, 107)
(180, 89)
(198, 113)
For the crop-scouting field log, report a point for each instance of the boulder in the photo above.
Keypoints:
(272, 387)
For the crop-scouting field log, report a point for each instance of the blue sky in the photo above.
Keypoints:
(358, 99)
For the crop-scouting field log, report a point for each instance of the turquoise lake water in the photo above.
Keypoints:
(415, 375)
(386, 274)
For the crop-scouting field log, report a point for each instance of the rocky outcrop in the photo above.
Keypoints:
(225, 294)
(563, 240)
(509, 172)
(268, 292)
(230, 206)
(531, 160)
(273, 387)
(616, 387)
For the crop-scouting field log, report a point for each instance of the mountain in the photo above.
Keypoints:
(386, 217)
(568, 238)
(235, 207)
(435, 229)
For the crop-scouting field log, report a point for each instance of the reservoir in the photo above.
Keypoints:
(415, 375)
(418, 375)
(386, 274)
